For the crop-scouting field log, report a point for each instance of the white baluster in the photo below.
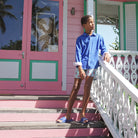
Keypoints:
(133, 69)
(119, 64)
(112, 96)
(132, 117)
(112, 62)
(126, 68)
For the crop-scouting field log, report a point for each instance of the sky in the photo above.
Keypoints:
(108, 34)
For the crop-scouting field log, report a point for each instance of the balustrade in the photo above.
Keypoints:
(126, 62)
(115, 97)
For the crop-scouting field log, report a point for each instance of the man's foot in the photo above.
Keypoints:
(84, 120)
(64, 120)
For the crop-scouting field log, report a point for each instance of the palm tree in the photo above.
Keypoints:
(3, 13)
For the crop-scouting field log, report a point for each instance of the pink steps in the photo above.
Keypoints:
(7, 117)
(39, 104)
(50, 133)
(34, 117)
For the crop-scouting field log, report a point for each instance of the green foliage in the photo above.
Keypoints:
(17, 45)
(137, 86)
(115, 44)
(4, 12)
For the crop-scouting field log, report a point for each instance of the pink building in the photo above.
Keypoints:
(37, 40)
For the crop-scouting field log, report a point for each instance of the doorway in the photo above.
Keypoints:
(31, 45)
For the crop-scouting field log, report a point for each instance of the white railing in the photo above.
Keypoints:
(126, 62)
(117, 101)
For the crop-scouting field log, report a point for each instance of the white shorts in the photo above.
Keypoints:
(88, 72)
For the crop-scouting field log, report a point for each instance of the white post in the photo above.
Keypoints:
(90, 7)
(64, 57)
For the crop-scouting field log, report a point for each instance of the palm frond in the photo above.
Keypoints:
(2, 25)
(6, 13)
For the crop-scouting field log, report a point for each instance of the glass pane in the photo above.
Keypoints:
(11, 20)
(45, 28)
(108, 23)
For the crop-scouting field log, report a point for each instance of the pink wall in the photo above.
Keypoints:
(74, 30)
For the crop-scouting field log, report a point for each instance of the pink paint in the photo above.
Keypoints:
(52, 56)
(74, 30)
(40, 104)
(53, 133)
(25, 117)
(25, 84)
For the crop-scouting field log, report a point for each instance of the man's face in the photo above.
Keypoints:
(89, 26)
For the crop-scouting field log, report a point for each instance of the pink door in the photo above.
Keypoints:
(31, 45)
(44, 47)
(12, 44)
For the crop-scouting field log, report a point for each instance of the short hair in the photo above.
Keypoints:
(85, 18)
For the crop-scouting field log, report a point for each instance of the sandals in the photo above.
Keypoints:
(84, 120)
(64, 120)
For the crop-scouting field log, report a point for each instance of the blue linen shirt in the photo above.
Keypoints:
(87, 50)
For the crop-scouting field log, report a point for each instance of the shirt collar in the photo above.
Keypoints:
(93, 34)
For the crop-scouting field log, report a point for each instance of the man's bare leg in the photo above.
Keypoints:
(74, 92)
(86, 96)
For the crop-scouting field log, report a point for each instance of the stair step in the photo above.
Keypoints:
(35, 117)
(88, 137)
(40, 104)
(47, 97)
(54, 133)
(49, 125)
(37, 114)
(5, 117)
(43, 110)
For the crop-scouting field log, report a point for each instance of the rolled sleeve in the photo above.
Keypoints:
(78, 54)
(102, 46)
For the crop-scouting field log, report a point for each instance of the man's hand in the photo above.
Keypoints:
(81, 72)
(107, 57)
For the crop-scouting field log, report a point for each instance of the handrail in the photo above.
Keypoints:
(124, 52)
(116, 99)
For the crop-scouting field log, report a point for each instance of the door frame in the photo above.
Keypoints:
(16, 57)
(25, 62)
(44, 57)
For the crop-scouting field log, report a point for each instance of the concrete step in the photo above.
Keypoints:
(45, 110)
(88, 137)
(40, 102)
(35, 117)
(37, 114)
(51, 129)
(37, 97)
(49, 125)
(56, 133)
(6, 117)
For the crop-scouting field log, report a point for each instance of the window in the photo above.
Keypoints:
(11, 21)
(45, 26)
(108, 24)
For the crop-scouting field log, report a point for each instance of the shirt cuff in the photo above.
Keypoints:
(77, 64)
(104, 55)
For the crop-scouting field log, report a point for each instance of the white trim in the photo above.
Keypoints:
(121, 27)
(90, 7)
(64, 55)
